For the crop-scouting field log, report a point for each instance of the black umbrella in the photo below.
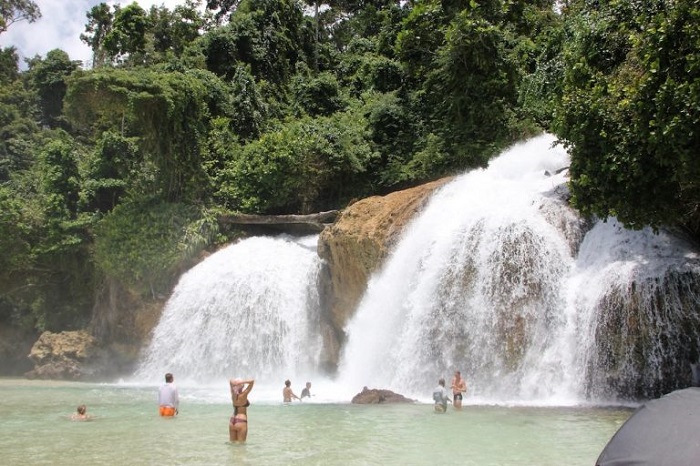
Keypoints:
(662, 432)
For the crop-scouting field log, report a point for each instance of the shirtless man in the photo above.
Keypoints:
(458, 387)
(287, 393)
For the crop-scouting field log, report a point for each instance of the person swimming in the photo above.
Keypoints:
(80, 414)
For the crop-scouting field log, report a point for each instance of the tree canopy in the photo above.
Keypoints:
(12, 11)
(290, 107)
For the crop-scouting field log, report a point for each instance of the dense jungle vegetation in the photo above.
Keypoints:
(119, 169)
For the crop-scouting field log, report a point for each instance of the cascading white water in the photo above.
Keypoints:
(636, 300)
(487, 280)
(497, 277)
(251, 310)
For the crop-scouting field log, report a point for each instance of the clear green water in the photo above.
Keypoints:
(126, 430)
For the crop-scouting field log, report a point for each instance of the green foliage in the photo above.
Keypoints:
(168, 112)
(363, 70)
(48, 279)
(272, 111)
(422, 34)
(12, 233)
(126, 39)
(629, 112)
(249, 112)
(465, 62)
(59, 179)
(223, 8)
(474, 78)
(9, 70)
(143, 244)
(174, 30)
(303, 166)
(317, 96)
(269, 36)
(49, 76)
(99, 25)
(131, 37)
(18, 129)
(108, 171)
(392, 128)
(12, 11)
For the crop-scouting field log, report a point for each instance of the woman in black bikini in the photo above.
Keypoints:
(238, 424)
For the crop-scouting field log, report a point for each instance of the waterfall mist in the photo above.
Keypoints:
(249, 310)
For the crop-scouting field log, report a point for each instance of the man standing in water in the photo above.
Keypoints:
(306, 392)
(287, 393)
(440, 397)
(458, 386)
(168, 398)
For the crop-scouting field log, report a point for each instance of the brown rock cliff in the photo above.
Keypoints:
(354, 247)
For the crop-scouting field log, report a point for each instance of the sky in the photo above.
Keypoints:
(60, 26)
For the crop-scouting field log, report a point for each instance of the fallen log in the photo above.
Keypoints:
(315, 222)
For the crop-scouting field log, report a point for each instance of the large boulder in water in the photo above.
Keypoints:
(64, 355)
(377, 396)
(354, 247)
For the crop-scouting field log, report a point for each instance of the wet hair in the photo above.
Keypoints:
(441, 382)
(82, 409)
(168, 377)
(287, 382)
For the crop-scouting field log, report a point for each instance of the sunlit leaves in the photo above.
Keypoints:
(630, 113)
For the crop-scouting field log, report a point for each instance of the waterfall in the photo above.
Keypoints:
(637, 296)
(498, 278)
(250, 310)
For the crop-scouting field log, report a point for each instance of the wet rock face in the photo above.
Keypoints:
(647, 337)
(14, 347)
(62, 356)
(377, 396)
(354, 247)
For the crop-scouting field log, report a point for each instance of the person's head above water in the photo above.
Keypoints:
(168, 378)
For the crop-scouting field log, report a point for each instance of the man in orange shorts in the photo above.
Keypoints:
(168, 398)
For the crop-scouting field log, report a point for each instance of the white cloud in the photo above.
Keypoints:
(60, 26)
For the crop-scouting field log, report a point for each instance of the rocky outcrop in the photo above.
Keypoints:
(63, 356)
(353, 248)
(376, 396)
